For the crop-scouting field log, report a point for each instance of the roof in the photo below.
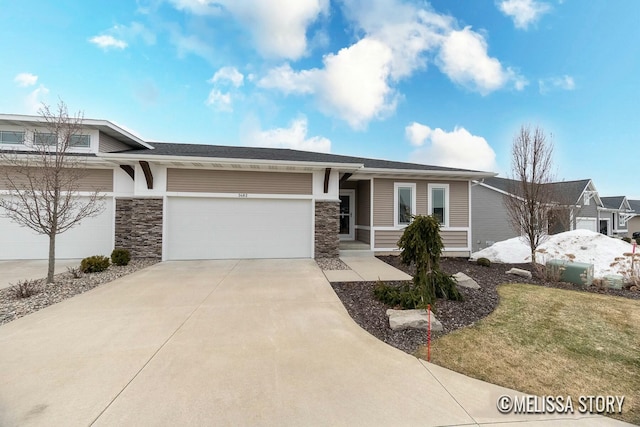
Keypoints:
(613, 202)
(103, 126)
(572, 190)
(635, 205)
(280, 154)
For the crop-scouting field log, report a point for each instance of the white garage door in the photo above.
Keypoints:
(586, 224)
(93, 236)
(205, 228)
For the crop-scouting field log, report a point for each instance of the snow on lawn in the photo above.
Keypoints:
(587, 246)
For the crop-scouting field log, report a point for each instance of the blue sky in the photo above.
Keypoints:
(441, 82)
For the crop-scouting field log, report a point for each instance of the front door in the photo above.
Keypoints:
(347, 214)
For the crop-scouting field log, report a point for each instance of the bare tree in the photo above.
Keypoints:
(531, 175)
(43, 179)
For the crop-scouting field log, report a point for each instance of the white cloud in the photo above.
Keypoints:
(134, 31)
(456, 149)
(353, 85)
(295, 137)
(358, 83)
(190, 44)
(278, 31)
(562, 83)
(107, 42)
(464, 59)
(523, 12)
(228, 74)
(34, 100)
(26, 79)
(219, 101)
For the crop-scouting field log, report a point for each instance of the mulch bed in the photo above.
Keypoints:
(370, 313)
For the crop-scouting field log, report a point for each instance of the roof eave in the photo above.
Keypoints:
(347, 167)
(447, 173)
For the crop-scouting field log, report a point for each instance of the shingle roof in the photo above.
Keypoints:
(284, 154)
(571, 190)
(613, 202)
(635, 205)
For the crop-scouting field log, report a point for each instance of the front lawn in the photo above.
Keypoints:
(547, 341)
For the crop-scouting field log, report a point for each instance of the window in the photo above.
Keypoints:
(79, 141)
(42, 138)
(11, 137)
(439, 203)
(405, 203)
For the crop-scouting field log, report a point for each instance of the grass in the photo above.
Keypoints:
(547, 341)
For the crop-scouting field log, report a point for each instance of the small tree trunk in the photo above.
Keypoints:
(52, 258)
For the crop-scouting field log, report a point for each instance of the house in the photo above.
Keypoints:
(633, 224)
(578, 203)
(182, 201)
(613, 215)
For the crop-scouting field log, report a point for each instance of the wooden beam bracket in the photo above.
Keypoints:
(147, 173)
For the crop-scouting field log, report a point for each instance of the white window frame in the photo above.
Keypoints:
(14, 132)
(445, 187)
(396, 187)
(51, 134)
(72, 145)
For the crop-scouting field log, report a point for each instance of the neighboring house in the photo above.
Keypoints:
(633, 224)
(614, 215)
(579, 203)
(183, 201)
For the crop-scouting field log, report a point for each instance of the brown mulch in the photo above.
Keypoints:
(370, 313)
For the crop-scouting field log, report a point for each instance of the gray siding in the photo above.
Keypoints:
(489, 219)
(224, 181)
(107, 144)
(363, 203)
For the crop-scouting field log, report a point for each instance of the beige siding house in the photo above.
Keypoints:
(185, 201)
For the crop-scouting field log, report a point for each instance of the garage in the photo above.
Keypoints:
(230, 228)
(93, 236)
(586, 224)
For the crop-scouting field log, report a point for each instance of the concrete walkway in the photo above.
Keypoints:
(262, 342)
(365, 269)
(13, 271)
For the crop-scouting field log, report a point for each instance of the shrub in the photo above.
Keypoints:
(120, 257)
(76, 272)
(94, 264)
(402, 296)
(422, 245)
(637, 240)
(485, 262)
(25, 288)
(627, 239)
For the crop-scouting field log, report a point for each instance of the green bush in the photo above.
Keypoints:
(627, 239)
(637, 240)
(120, 257)
(94, 264)
(485, 262)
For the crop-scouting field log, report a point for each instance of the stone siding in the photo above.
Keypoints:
(327, 242)
(139, 227)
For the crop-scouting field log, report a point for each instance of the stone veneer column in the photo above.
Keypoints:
(327, 224)
(139, 227)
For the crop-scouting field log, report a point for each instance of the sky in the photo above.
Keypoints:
(443, 82)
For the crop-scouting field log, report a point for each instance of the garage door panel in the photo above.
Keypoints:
(201, 228)
(93, 236)
(586, 224)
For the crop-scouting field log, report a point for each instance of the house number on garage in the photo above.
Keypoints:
(242, 195)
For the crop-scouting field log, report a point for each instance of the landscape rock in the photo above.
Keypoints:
(465, 281)
(520, 272)
(412, 319)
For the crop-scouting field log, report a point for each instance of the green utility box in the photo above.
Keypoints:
(573, 272)
(614, 281)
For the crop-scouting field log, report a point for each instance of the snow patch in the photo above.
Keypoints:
(577, 245)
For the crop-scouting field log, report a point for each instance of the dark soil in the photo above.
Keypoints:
(370, 313)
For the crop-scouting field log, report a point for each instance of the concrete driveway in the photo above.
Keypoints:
(260, 342)
(13, 271)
